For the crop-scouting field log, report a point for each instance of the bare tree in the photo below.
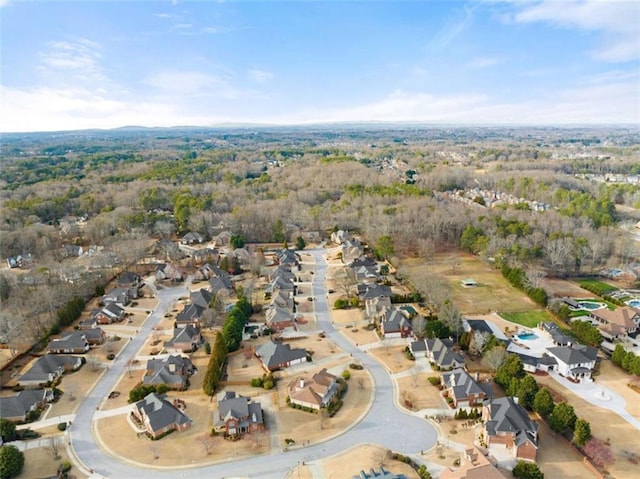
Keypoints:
(155, 451)
(495, 357)
(54, 447)
(418, 324)
(534, 277)
(361, 382)
(450, 316)
(207, 441)
(323, 414)
(346, 281)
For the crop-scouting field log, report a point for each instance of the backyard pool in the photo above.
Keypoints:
(591, 306)
(527, 336)
(634, 303)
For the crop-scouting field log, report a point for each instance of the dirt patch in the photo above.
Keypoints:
(127, 382)
(75, 387)
(493, 293)
(561, 288)
(360, 335)
(615, 378)
(557, 458)
(39, 462)
(304, 427)
(393, 358)
(420, 393)
(146, 303)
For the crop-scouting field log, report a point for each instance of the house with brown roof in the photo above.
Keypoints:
(617, 324)
(314, 392)
(474, 465)
(507, 426)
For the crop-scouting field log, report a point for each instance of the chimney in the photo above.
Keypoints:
(516, 399)
(477, 376)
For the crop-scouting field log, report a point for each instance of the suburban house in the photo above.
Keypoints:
(463, 389)
(48, 368)
(339, 237)
(184, 340)
(192, 238)
(276, 355)
(88, 323)
(279, 283)
(284, 271)
(71, 251)
(190, 315)
(351, 249)
(169, 272)
(617, 324)
(223, 238)
(574, 362)
(367, 274)
(237, 415)
(376, 298)
(174, 371)
(73, 343)
(202, 297)
(21, 261)
(507, 426)
(17, 407)
(474, 465)
(282, 299)
(394, 324)
(94, 336)
(279, 318)
(209, 270)
(130, 280)
(159, 416)
(439, 352)
(221, 284)
(120, 296)
(288, 256)
(533, 364)
(110, 313)
(557, 336)
(380, 474)
(205, 254)
(314, 392)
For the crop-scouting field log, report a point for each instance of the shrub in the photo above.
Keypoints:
(64, 467)
(527, 470)
(341, 304)
(346, 374)
(62, 426)
(434, 380)
(356, 366)
(11, 461)
(268, 384)
(207, 347)
(256, 382)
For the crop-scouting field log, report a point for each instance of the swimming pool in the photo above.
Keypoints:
(591, 306)
(634, 303)
(527, 336)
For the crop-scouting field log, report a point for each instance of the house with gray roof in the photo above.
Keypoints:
(557, 336)
(280, 318)
(110, 313)
(191, 314)
(205, 254)
(202, 297)
(16, 408)
(288, 256)
(394, 324)
(282, 299)
(130, 280)
(72, 343)
(160, 416)
(464, 390)
(282, 270)
(237, 415)
(507, 426)
(173, 371)
(184, 340)
(439, 352)
(121, 296)
(221, 284)
(192, 237)
(48, 368)
(382, 473)
(376, 298)
(574, 362)
(276, 355)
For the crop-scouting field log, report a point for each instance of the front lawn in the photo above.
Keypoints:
(529, 319)
(596, 286)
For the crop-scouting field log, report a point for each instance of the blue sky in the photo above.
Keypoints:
(103, 64)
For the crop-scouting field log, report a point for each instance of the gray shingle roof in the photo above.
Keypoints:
(232, 406)
(47, 364)
(273, 354)
(161, 413)
(506, 416)
(461, 384)
(577, 355)
(21, 403)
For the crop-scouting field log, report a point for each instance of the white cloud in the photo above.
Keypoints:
(79, 58)
(484, 62)
(259, 76)
(184, 82)
(182, 26)
(617, 21)
(452, 30)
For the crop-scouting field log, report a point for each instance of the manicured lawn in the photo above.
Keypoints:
(529, 319)
(596, 284)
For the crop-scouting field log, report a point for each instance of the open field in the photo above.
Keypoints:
(393, 358)
(418, 390)
(615, 378)
(493, 293)
(529, 319)
(561, 288)
(39, 462)
(75, 387)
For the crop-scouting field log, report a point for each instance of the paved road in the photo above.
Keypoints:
(384, 424)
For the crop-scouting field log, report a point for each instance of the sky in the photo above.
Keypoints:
(106, 64)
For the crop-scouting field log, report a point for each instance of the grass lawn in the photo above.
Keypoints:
(529, 319)
(595, 283)
(493, 293)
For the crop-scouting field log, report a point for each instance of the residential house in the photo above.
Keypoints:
(280, 284)
(282, 299)
(21, 261)
(617, 324)
(159, 416)
(192, 238)
(463, 389)
(202, 298)
(557, 336)
(380, 474)
(205, 255)
(130, 280)
(110, 313)
(48, 368)
(94, 336)
(276, 355)
(314, 392)
(283, 271)
(120, 296)
(288, 257)
(376, 298)
(16, 408)
(507, 426)
(71, 251)
(279, 318)
(191, 314)
(208, 270)
(169, 272)
(221, 285)
(474, 465)
(439, 352)
(237, 415)
(365, 261)
(88, 323)
(574, 362)
(174, 371)
(185, 340)
(367, 274)
(167, 250)
(533, 364)
(72, 343)
(339, 237)
(242, 255)
(394, 324)
(351, 250)
(223, 238)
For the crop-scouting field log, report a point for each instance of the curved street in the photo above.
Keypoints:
(383, 424)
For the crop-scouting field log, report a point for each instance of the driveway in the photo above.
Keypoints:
(383, 424)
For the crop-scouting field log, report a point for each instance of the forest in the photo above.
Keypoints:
(555, 200)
